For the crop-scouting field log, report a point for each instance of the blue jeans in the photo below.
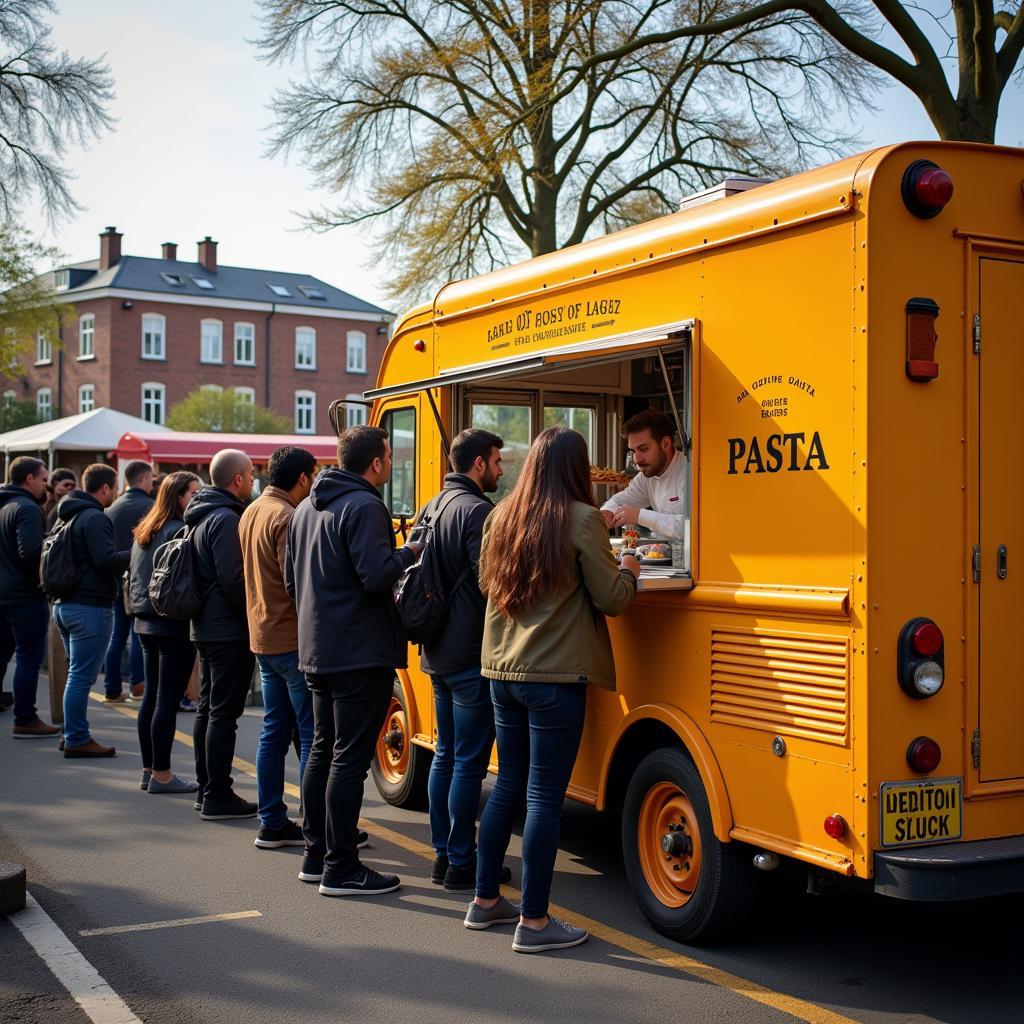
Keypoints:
(112, 662)
(465, 732)
(539, 726)
(24, 627)
(85, 632)
(286, 702)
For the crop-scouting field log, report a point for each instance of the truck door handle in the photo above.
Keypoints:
(1001, 561)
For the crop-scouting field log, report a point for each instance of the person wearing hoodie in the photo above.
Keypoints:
(126, 513)
(340, 567)
(24, 615)
(86, 617)
(221, 632)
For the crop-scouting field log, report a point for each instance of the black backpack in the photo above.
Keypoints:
(58, 572)
(422, 603)
(174, 589)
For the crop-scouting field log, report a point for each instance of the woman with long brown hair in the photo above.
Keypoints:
(167, 650)
(547, 569)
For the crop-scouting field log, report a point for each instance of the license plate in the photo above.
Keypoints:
(920, 812)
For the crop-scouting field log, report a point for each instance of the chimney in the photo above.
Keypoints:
(110, 248)
(208, 254)
(169, 251)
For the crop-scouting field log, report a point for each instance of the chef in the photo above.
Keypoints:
(656, 497)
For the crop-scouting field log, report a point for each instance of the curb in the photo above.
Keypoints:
(12, 888)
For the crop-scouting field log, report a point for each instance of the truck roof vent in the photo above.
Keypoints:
(726, 187)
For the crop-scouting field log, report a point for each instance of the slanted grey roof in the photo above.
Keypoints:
(144, 274)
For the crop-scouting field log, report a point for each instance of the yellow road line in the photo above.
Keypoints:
(176, 923)
(801, 1009)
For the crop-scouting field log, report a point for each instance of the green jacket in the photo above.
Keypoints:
(564, 637)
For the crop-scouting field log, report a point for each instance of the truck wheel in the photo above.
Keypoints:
(689, 885)
(400, 768)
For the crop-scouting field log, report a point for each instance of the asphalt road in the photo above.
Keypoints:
(100, 853)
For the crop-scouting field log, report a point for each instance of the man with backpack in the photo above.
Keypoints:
(80, 567)
(24, 615)
(220, 631)
(126, 513)
(462, 697)
(340, 569)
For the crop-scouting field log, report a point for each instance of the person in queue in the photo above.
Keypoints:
(550, 578)
(24, 614)
(167, 651)
(61, 482)
(341, 567)
(126, 513)
(220, 631)
(462, 697)
(274, 639)
(85, 618)
(656, 497)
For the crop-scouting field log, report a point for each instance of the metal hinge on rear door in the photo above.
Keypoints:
(976, 748)
(976, 563)
(976, 332)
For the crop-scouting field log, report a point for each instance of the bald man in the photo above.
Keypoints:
(221, 632)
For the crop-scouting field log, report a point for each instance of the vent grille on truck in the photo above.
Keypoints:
(784, 684)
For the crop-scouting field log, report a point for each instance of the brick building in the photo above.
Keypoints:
(149, 331)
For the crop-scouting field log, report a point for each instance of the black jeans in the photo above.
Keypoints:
(225, 675)
(168, 662)
(23, 630)
(348, 712)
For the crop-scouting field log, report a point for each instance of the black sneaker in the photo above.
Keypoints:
(463, 879)
(439, 870)
(289, 834)
(232, 806)
(198, 805)
(366, 882)
(311, 870)
(362, 839)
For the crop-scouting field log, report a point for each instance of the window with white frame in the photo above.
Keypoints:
(86, 397)
(247, 395)
(305, 412)
(356, 362)
(44, 404)
(211, 341)
(153, 402)
(355, 415)
(44, 348)
(154, 329)
(210, 387)
(10, 397)
(305, 348)
(245, 344)
(86, 336)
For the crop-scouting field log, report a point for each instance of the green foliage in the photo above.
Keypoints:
(225, 411)
(15, 414)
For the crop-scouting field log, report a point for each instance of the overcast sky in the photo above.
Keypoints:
(186, 157)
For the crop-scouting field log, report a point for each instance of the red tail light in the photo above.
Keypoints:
(924, 755)
(926, 188)
(926, 639)
(835, 826)
(920, 659)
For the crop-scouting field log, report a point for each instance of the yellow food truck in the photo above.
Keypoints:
(826, 672)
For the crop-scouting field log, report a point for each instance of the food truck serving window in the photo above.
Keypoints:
(399, 493)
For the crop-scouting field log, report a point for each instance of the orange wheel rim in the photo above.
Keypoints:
(669, 845)
(393, 744)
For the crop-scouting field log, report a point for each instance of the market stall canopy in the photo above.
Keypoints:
(190, 447)
(95, 431)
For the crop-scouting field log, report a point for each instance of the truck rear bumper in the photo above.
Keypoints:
(952, 871)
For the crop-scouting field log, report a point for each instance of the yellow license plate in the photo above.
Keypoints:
(915, 813)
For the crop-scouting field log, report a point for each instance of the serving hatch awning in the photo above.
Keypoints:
(561, 358)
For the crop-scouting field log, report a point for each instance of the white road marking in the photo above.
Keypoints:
(176, 923)
(102, 1005)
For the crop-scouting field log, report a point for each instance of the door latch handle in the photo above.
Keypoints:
(1001, 561)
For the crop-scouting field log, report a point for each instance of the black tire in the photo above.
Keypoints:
(718, 893)
(399, 767)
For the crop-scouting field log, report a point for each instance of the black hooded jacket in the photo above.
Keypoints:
(455, 545)
(340, 568)
(213, 514)
(95, 553)
(126, 513)
(22, 526)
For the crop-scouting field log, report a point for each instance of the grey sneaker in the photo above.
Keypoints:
(503, 912)
(144, 781)
(176, 785)
(554, 935)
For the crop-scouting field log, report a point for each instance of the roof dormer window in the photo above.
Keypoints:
(280, 290)
(62, 280)
(202, 282)
(176, 280)
(312, 293)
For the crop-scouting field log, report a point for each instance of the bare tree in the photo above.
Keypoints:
(50, 103)
(468, 131)
(979, 44)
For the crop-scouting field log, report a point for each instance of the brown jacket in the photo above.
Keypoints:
(564, 637)
(263, 532)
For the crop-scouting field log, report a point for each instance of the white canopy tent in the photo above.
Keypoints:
(96, 431)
